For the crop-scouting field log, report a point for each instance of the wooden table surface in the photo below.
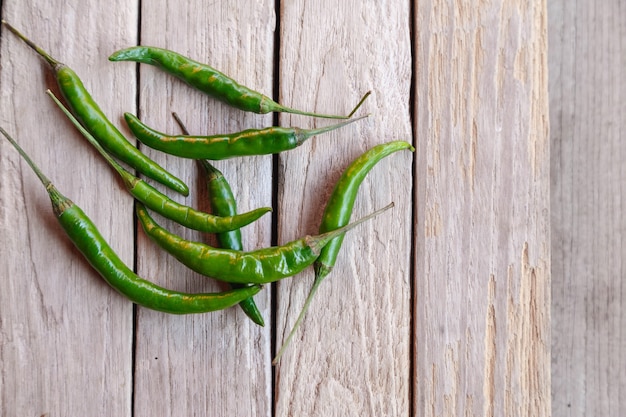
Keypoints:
(439, 307)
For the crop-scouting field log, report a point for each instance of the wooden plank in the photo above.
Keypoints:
(482, 240)
(215, 364)
(65, 336)
(587, 118)
(351, 355)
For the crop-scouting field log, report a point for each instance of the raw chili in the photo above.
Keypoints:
(259, 267)
(162, 204)
(90, 242)
(94, 120)
(249, 142)
(223, 203)
(337, 214)
(211, 81)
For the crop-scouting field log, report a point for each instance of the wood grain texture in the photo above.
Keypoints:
(65, 336)
(351, 355)
(211, 364)
(482, 240)
(439, 307)
(587, 115)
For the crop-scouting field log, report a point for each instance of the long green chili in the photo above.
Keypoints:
(249, 142)
(211, 81)
(259, 267)
(90, 242)
(93, 119)
(337, 214)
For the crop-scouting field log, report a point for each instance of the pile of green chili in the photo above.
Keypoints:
(245, 271)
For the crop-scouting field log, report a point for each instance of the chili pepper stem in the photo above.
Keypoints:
(211, 172)
(316, 243)
(268, 105)
(307, 303)
(42, 177)
(359, 104)
(60, 203)
(53, 62)
(182, 126)
(304, 134)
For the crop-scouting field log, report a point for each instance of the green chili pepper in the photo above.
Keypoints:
(211, 81)
(249, 142)
(159, 202)
(337, 214)
(259, 267)
(223, 203)
(88, 240)
(94, 120)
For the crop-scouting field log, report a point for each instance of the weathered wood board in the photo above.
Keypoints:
(440, 306)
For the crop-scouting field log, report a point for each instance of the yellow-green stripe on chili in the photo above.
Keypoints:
(223, 203)
(162, 204)
(257, 267)
(211, 81)
(94, 120)
(249, 142)
(90, 242)
(337, 214)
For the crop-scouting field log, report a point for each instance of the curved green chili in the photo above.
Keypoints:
(162, 204)
(94, 120)
(259, 267)
(337, 214)
(223, 203)
(88, 240)
(249, 142)
(211, 81)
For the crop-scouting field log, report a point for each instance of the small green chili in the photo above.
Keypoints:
(90, 242)
(162, 204)
(259, 267)
(223, 203)
(266, 141)
(94, 120)
(211, 81)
